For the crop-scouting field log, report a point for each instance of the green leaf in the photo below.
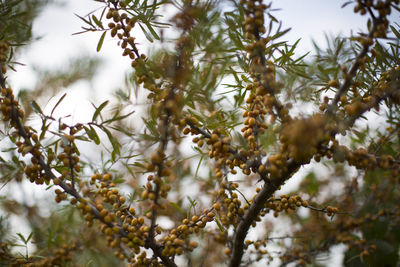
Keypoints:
(127, 132)
(176, 206)
(347, 3)
(114, 142)
(193, 203)
(396, 32)
(92, 134)
(118, 118)
(146, 34)
(198, 165)
(146, 211)
(119, 181)
(50, 186)
(221, 228)
(29, 237)
(22, 238)
(9, 149)
(85, 20)
(138, 164)
(98, 23)
(44, 129)
(36, 107)
(152, 31)
(15, 160)
(113, 156)
(99, 109)
(58, 102)
(151, 126)
(100, 43)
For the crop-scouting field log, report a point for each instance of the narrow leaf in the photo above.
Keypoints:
(98, 110)
(29, 237)
(148, 36)
(36, 107)
(58, 102)
(118, 118)
(100, 43)
(152, 31)
(396, 32)
(85, 20)
(92, 134)
(98, 23)
(221, 228)
(22, 238)
(176, 206)
(114, 142)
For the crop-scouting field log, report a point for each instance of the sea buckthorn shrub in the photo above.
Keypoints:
(199, 150)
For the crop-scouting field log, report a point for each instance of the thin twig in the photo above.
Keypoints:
(350, 75)
(207, 135)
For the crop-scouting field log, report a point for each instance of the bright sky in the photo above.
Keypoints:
(307, 18)
(313, 18)
(56, 24)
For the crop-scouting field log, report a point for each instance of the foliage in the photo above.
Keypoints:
(16, 24)
(225, 79)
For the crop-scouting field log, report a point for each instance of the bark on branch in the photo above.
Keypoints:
(256, 206)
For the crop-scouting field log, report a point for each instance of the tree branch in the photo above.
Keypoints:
(207, 135)
(256, 206)
(156, 248)
(352, 72)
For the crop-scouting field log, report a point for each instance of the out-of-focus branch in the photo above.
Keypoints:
(353, 70)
